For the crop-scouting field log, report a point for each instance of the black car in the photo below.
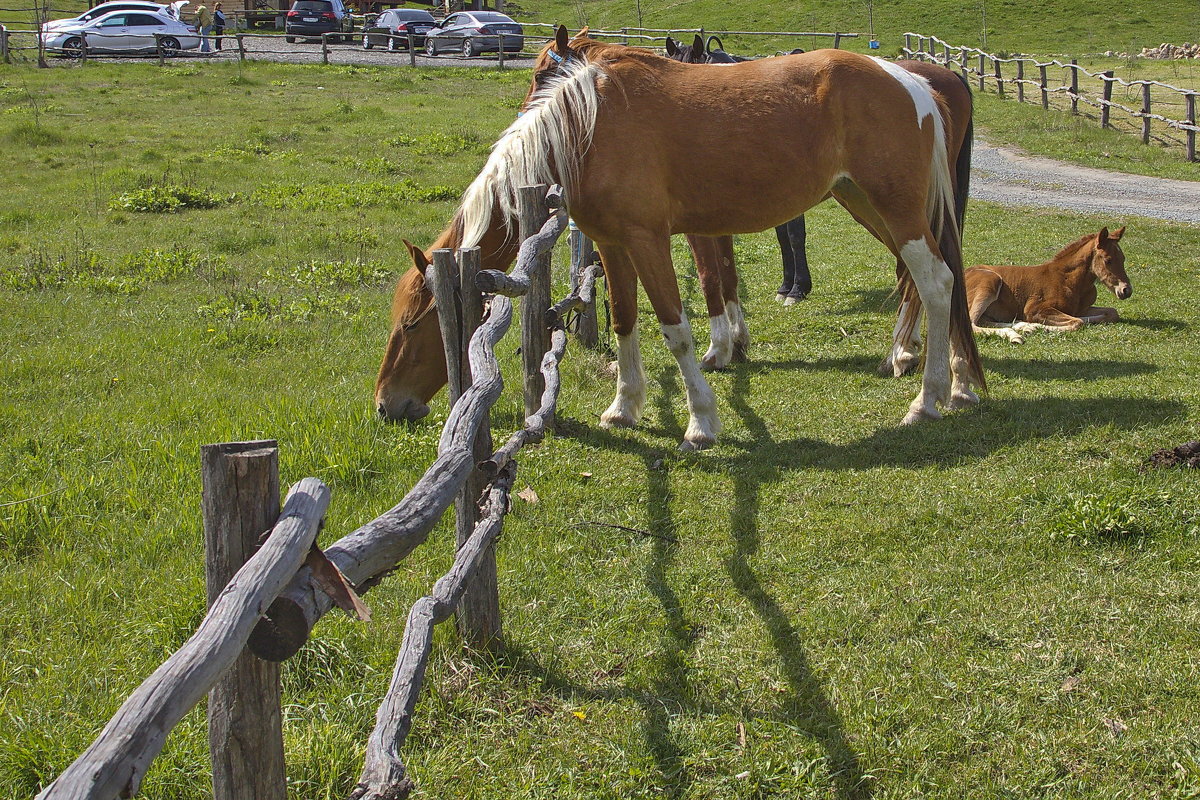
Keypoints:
(475, 32)
(392, 27)
(312, 18)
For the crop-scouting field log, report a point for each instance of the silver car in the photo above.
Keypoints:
(123, 32)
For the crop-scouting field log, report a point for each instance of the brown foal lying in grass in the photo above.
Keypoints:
(1058, 295)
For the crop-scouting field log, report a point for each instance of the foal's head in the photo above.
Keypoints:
(414, 364)
(1108, 263)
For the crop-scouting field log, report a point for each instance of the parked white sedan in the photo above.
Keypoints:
(123, 32)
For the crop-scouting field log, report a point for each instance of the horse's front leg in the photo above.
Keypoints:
(621, 280)
(1100, 315)
(794, 239)
(651, 256)
(1052, 319)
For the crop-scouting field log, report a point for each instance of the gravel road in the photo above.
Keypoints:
(1002, 175)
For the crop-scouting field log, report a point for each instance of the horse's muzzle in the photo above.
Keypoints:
(408, 410)
(1123, 291)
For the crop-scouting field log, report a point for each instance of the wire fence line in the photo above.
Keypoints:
(1079, 85)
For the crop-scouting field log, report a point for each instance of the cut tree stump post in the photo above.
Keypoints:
(587, 328)
(1020, 81)
(1105, 109)
(1045, 88)
(1190, 98)
(245, 728)
(1074, 86)
(535, 336)
(1146, 113)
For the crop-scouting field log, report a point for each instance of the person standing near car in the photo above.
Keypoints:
(218, 25)
(204, 23)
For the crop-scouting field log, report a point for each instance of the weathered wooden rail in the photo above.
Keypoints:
(973, 61)
(266, 611)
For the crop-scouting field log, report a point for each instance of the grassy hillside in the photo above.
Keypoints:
(826, 605)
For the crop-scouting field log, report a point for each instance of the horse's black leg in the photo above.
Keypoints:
(789, 262)
(801, 278)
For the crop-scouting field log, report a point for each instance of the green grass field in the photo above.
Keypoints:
(999, 605)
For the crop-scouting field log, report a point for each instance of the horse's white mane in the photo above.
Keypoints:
(544, 145)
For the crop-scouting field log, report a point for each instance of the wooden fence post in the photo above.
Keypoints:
(535, 337)
(412, 50)
(1020, 80)
(82, 47)
(1190, 99)
(1146, 113)
(245, 729)
(999, 78)
(946, 54)
(962, 57)
(982, 71)
(1045, 89)
(837, 41)
(158, 49)
(1074, 86)
(1105, 109)
(4, 45)
(324, 48)
(588, 329)
(908, 43)
(460, 310)
(500, 49)
(241, 47)
(478, 615)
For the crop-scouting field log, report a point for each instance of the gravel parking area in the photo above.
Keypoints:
(276, 48)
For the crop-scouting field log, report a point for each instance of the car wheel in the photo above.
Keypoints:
(170, 46)
(290, 39)
(73, 47)
(366, 42)
(430, 48)
(468, 49)
(392, 46)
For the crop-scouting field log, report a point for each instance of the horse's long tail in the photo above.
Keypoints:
(962, 167)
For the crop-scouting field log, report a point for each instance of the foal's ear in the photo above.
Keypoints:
(418, 257)
(672, 47)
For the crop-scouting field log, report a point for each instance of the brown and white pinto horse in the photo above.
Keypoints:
(620, 129)
(1059, 295)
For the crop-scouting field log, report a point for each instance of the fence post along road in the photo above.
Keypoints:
(267, 590)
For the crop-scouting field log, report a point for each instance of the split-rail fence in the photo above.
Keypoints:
(266, 592)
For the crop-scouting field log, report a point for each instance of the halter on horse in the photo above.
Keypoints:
(603, 121)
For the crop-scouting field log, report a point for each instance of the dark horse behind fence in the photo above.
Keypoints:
(871, 134)
(797, 280)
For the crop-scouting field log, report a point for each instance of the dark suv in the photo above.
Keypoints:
(312, 18)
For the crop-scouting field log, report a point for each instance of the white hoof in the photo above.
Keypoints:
(781, 297)
(918, 413)
(789, 301)
(698, 443)
(616, 419)
(962, 398)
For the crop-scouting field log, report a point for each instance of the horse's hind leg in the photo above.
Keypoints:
(708, 253)
(934, 282)
(734, 318)
(651, 255)
(906, 334)
(621, 281)
(797, 236)
(789, 263)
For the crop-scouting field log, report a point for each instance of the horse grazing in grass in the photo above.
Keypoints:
(641, 145)
(797, 280)
(1058, 295)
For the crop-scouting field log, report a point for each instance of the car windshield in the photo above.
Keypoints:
(491, 17)
(315, 6)
(410, 16)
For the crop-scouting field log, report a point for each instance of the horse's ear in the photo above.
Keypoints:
(672, 46)
(1103, 234)
(418, 256)
(1117, 234)
(697, 44)
(562, 40)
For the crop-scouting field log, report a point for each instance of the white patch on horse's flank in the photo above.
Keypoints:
(703, 423)
(626, 407)
(918, 88)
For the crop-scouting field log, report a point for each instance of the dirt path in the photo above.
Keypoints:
(1003, 175)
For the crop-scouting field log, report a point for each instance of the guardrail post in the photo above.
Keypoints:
(999, 78)
(1074, 86)
(324, 48)
(535, 337)
(240, 502)
(1146, 113)
(1190, 99)
(587, 327)
(1045, 89)
(412, 49)
(241, 47)
(1105, 109)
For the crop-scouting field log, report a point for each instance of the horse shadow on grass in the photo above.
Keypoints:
(757, 459)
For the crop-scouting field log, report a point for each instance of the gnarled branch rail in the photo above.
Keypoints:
(535, 425)
(516, 284)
